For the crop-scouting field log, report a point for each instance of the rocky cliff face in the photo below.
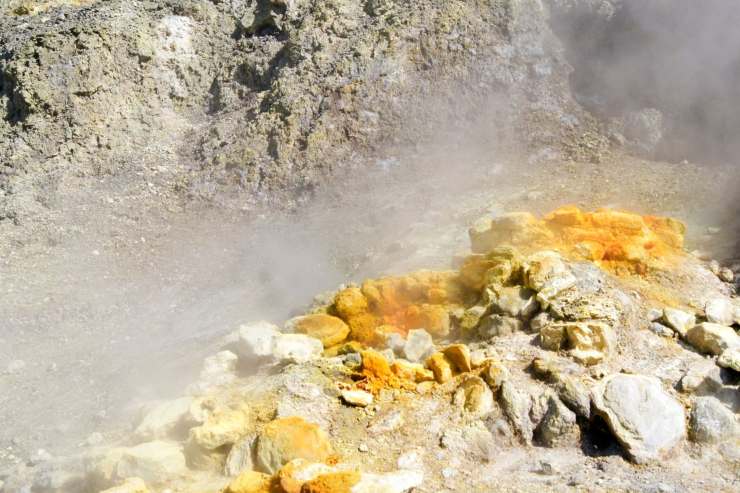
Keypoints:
(243, 102)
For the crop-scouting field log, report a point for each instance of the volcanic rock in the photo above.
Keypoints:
(642, 416)
(326, 328)
(558, 426)
(712, 338)
(296, 348)
(679, 320)
(283, 440)
(711, 421)
(720, 311)
(419, 345)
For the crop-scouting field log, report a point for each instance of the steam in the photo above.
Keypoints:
(138, 322)
(679, 56)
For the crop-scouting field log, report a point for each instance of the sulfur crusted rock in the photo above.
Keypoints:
(618, 241)
(441, 366)
(459, 355)
(328, 329)
(285, 439)
(419, 300)
(250, 482)
(223, 427)
(586, 342)
(333, 482)
(475, 397)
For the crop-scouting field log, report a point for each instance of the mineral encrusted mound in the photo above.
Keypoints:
(422, 377)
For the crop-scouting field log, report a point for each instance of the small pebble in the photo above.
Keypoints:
(363, 448)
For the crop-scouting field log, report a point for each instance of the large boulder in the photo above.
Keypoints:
(646, 420)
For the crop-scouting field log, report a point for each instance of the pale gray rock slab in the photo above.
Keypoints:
(643, 417)
(711, 421)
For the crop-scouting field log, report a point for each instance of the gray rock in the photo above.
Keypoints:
(558, 427)
(644, 129)
(642, 416)
(516, 301)
(419, 345)
(499, 325)
(720, 311)
(702, 378)
(241, 456)
(679, 320)
(711, 421)
(574, 394)
(712, 338)
(516, 406)
(395, 342)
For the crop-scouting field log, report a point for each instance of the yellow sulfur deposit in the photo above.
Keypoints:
(621, 242)
(399, 304)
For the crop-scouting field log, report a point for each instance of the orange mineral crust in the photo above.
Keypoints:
(621, 242)
(399, 304)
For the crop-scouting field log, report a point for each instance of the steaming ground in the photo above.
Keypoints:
(106, 322)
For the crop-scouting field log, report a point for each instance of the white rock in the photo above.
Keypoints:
(418, 346)
(392, 482)
(219, 369)
(730, 358)
(679, 320)
(712, 338)
(164, 419)
(516, 406)
(152, 461)
(358, 398)
(296, 348)
(255, 341)
(720, 311)
(642, 416)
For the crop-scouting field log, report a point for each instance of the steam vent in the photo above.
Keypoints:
(558, 341)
